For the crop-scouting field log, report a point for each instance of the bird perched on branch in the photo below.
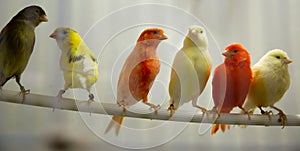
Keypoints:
(271, 80)
(78, 62)
(231, 81)
(138, 73)
(17, 40)
(191, 70)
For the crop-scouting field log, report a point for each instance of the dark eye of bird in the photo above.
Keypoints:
(64, 32)
(155, 32)
(201, 31)
(235, 51)
(37, 11)
(278, 57)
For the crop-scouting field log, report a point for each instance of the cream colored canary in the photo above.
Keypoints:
(271, 79)
(191, 69)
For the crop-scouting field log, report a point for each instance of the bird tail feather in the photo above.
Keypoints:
(216, 127)
(116, 122)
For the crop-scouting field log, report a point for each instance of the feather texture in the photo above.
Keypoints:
(138, 73)
(191, 68)
(77, 61)
(231, 81)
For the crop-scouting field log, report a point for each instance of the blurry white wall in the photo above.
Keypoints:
(111, 28)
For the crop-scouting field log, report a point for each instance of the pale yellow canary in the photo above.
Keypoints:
(190, 70)
(271, 79)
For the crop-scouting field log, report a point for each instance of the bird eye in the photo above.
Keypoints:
(235, 51)
(278, 57)
(37, 11)
(201, 31)
(155, 32)
(64, 32)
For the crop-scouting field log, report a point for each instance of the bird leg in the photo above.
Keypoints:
(60, 93)
(245, 112)
(22, 88)
(59, 97)
(90, 101)
(91, 98)
(213, 111)
(123, 104)
(268, 113)
(171, 108)
(194, 103)
(282, 116)
(152, 106)
(124, 111)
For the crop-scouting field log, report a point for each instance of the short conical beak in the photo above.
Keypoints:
(227, 54)
(44, 18)
(287, 61)
(193, 32)
(53, 35)
(163, 37)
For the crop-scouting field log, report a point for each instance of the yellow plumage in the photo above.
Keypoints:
(78, 62)
(270, 81)
(191, 69)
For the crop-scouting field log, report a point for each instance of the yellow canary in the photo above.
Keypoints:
(270, 81)
(77, 61)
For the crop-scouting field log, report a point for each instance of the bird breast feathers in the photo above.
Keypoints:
(275, 81)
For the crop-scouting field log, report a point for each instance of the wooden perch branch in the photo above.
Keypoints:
(162, 114)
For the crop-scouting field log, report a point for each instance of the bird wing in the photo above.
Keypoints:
(184, 78)
(202, 65)
(16, 45)
(82, 61)
(219, 85)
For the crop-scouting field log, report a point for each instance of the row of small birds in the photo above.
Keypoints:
(234, 84)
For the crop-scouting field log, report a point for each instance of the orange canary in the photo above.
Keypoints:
(138, 73)
(231, 81)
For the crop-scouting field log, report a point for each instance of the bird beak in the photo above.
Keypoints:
(44, 18)
(53, 35)
(287, 61)
(193, 32)
(163, 37)
(227, 54)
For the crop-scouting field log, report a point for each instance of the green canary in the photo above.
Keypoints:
(17, 40)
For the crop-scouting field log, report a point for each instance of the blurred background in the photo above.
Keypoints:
(111, 28)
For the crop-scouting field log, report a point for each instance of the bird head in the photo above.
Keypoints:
(35, 14)
(152, 36)
(197, 35)
(277, 57)
(236, 53)
(66, 37)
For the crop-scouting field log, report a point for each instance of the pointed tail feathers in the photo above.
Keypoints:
(216, 127)
(116, 122)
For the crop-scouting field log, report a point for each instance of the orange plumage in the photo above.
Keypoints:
(138, 73)
(231, 81)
